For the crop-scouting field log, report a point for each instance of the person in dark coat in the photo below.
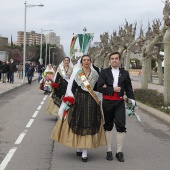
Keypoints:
(0, 69)
(113, 82)
(12, 69)
(5, 69)
(30, 72)
(40, 70)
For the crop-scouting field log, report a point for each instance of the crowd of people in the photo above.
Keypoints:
(88, 103)
(7, 69)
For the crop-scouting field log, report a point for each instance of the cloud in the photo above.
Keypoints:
(66, 17)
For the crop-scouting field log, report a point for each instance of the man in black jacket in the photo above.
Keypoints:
(12, 69)
(113, 83)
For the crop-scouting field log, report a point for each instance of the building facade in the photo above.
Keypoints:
(52, 39)
(32, 38)
(3, 41)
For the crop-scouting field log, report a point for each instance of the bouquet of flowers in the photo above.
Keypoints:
(54, 85)
(68, 101)
(130, 108)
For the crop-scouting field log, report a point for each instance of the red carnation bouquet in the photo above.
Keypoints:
(54, 85)
(68, 101)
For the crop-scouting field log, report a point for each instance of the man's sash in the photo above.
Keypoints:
(87, 85)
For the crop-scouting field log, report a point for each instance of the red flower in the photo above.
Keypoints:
(68, 99)
(55, 85)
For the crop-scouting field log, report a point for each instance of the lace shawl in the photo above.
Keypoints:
(93, 77)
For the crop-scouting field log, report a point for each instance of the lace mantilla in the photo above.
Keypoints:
(93, 77)
(67, 74)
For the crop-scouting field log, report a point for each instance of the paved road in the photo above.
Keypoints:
(25, 142)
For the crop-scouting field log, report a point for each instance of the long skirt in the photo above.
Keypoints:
(83, 126)
(52, 108)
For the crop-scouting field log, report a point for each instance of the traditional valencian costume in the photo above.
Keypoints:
(114, 105)
(48, 76)
(59, 87)
(82, 126)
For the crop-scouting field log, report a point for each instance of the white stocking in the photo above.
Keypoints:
(84, 153)
(120, 140)
(109, 140)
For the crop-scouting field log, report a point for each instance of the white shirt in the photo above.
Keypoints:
(115, 73)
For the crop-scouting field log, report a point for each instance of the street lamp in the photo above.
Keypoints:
(53, 56)
(49, 54)
(29, 6)
(40, 60)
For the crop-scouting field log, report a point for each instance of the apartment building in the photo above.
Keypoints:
(32, 38)
(53, 39)
(3, 41)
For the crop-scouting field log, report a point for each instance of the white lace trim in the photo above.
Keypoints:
(93, 77)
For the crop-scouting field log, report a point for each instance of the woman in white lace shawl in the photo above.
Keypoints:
(83, 126)
(61, 80)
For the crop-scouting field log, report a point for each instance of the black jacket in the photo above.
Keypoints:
(12, 67)
(30, 71)
(5, 68)
(124, 82)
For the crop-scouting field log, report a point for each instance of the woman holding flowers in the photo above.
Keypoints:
(80, 126)
(59, 86)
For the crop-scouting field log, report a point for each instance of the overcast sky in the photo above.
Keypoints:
(66, 17)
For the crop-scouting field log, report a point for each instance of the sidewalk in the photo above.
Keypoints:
(137, 85)
(8, 87)
(161, 115)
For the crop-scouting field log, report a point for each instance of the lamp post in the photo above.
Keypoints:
(40, 60)
(53, 56)
(24, 50)
(49, 54)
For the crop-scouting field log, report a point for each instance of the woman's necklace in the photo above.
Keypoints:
(66, 70)
(87, 73)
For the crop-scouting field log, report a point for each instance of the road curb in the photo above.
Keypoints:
(15, 88)
(161, 115)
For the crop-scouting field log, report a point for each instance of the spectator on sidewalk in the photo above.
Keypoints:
(20, 70)
(0, 69)
(4, 71)
(40, 71)
(12, 69)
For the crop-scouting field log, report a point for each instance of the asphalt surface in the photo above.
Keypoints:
(25, 142)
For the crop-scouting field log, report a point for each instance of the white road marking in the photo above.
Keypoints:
(35, 114)
(11, 152)
(42, 103)
(21, 137)
(29, 123)
(39, 107)
(45, 97)
(7, 158)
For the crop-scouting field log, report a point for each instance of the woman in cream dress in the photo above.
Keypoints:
(83, 126)
(61, 79)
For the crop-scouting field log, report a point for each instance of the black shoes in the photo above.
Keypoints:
(84, 159)
(120, 156)
(79, 153)
(109, 156)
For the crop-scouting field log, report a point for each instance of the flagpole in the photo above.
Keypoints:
(84, 29)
